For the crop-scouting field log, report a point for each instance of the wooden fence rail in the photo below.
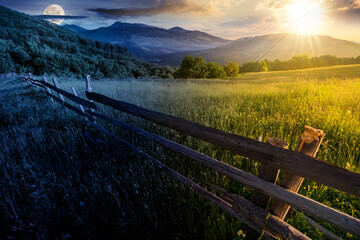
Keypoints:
(293, 162)
(305, 204)
(255, 216)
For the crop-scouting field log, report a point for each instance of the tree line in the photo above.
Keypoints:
(196, 67)
(302, 61)
(191, 67)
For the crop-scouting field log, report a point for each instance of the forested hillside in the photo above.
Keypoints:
(28, 44)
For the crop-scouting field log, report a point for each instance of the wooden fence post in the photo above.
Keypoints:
(32, 78)
(269, 174)
(308, 144)
(56, 84)
(48, 89)
(81, 107)
(88, 89)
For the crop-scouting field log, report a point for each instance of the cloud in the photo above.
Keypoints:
(165, 7)
(251, 20)
(348, 10)
(353, 5)
(60, 17)
(225, 3)
(272, 5)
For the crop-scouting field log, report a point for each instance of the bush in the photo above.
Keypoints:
(191, 67)
(197, 68)
(232, 69)
(19, 55)
(215, 71)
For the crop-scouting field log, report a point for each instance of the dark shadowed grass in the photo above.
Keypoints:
(56, 183)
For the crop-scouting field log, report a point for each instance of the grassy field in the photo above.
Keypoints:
(57, 183)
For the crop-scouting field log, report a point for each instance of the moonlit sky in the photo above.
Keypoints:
(231, 19)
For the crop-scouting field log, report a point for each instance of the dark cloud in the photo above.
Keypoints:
(59, 17)
(347, 10)
(165, 6)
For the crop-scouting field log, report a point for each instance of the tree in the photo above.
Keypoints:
(199, 68)
(232, 69)
(191, 67)
(215, 71)
(19, 55)
(264, 66)
(185, 70)
(3, 32)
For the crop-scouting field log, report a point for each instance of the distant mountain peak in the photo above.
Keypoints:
(150, 41)
(122, 25)
(178, 29)
(75, 28)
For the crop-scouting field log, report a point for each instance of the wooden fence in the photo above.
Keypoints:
(259, 213)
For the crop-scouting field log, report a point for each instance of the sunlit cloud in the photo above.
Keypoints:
(225, 3)
(354, 4)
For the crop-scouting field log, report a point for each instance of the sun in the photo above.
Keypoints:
(304, 16)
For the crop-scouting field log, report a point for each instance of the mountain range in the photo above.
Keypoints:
(271, 47)
(149, 41)
(169, 46)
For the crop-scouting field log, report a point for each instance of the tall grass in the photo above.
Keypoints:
(56, 182)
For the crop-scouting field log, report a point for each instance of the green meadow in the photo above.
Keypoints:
(59, 183)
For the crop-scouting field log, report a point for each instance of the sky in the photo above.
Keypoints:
(231, 19)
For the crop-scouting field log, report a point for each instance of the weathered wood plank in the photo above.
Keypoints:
(35, 84)
(31, 79)
(57, 87)
(308, 144)
(263, 218)
(48, 89)
(210, 196)
(89, 89)
(67, 105)
(68, 95)
(293, 162)
(274, 225)
(313, 208)
(269, 174)
(81, 107)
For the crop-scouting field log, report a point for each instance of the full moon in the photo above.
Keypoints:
(55, 10)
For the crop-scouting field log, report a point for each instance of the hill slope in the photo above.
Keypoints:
(28, 44)
(275, 46)
(148, 41)
(73, 27)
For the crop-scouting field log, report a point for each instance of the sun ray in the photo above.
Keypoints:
(296, 44)
(271, 47)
